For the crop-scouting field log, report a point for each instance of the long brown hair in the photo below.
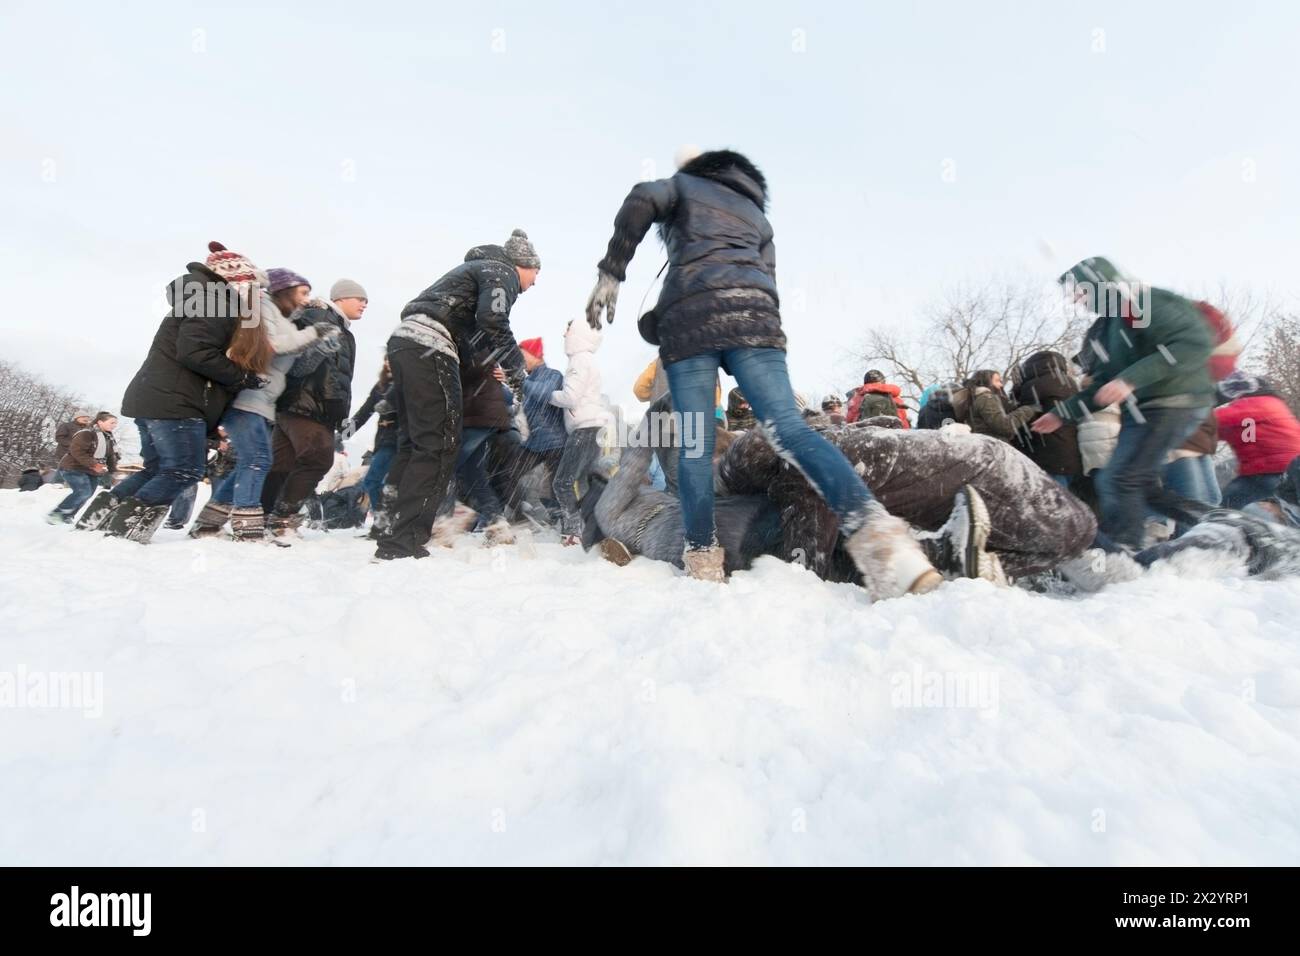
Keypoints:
(250, 346)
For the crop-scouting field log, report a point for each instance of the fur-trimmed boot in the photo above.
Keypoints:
(211, 520)
(248, 524)
(890, 559)
(705, 564)
(958, 548)
(93, 518)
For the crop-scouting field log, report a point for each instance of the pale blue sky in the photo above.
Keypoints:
(380, 140)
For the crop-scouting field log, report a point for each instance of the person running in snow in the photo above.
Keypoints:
(248, 421)
(1263, 433)
(585, 419)
(316, 401)
(719, 307)
(467, 310)
(91, 454)
(1150, 351)
(203, 354)
(876, 397)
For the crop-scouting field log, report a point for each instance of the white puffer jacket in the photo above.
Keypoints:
(580, 398)
(1098, 437)
(287, 340)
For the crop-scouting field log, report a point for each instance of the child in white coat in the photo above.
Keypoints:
(585, 417)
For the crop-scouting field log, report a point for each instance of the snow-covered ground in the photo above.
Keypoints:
(533, 704)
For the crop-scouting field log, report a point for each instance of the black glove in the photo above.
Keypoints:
(253, 380)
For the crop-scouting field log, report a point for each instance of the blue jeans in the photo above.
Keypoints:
(175, 451)
(381, 459)
(1193, 478)
(1247, 489)
(1131, 480)
(81, 486)
(183, 506)
(250, 434)
(764, 379)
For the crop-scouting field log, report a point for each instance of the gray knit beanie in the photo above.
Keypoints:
(521, 251)
(347, 289)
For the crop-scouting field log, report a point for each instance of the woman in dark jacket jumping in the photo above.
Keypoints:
(719, 307)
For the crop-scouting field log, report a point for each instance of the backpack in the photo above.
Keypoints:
(945, 405)
(1223, 358)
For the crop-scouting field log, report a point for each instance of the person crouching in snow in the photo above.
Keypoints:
(585, 417)
(719, 307)
(91, 454)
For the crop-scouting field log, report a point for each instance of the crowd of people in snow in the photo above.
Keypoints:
(1074, 472)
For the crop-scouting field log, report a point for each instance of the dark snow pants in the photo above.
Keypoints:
(301, 452)
(570, 484)
(428, 400)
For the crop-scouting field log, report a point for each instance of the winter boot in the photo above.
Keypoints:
(447, 528)
(121, 520)
(499, 532)
(890, 559)
(57, 517)
(384, 513)
(705, 564)
(281, 525)
(248, 524)
(93, 518)
(958, 548)
(615, 552)
(211, 520)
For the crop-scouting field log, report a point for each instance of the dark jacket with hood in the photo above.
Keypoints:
(740, 417)
(546, 431)
(320, 379)
(1046, 378)
(186, 373)
(720, 289)
(473, 302)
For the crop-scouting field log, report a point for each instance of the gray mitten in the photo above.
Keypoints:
(603, 298)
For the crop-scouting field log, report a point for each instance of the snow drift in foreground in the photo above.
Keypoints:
(533, 704)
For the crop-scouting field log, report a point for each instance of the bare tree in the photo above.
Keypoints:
(1278, 358)
(30, 410)
(995, 325)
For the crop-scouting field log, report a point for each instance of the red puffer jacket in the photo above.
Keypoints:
(1262, 431)
(888, 396)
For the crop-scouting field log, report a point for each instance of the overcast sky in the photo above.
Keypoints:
(906, 147)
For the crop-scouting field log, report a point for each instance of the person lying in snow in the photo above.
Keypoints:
(978, 507)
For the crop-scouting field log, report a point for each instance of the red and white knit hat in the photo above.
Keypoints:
(232, 267)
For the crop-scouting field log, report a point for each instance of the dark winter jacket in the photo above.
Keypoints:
(1163, 354)
(380, 400)
(320, 379)
(30, 480)
(989, 414)
(740, 417)
(720, 289)
(186, 373)
(546, 431)
(473, 302)
(1045, 378)
(483, 397)
(874, 399)
(84, 453)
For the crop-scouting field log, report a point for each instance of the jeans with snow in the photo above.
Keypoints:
(765, 382)
(175, 452)
(1131, 481)
(182, 507)
(381, 459)
(1193, 478)
(250, 435)
(81, 487)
